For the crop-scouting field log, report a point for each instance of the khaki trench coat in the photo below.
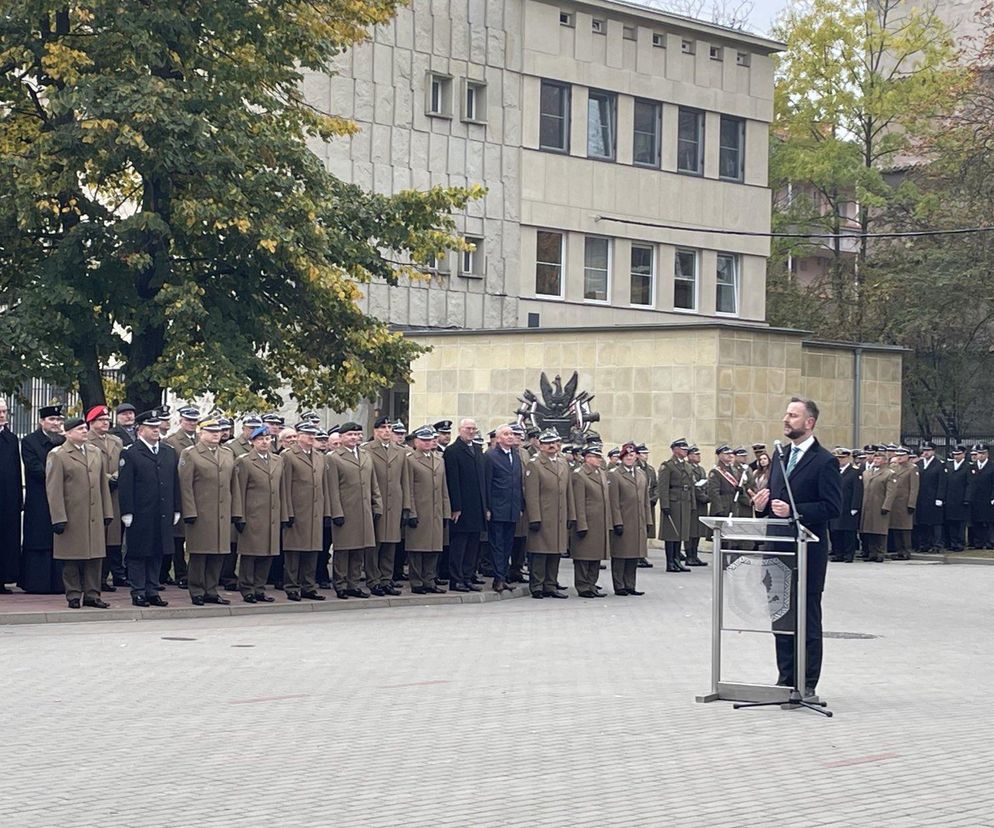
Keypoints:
(548, 499)
(303, 490)
(700, 502)
(79, 497)
(111, 447)
(743, 500)
(259, 500)
(722, 492)
(388, 467)
(878, 493)
(594, 513)
(906, 484)
(630, 493)
(521, 527)
(239, 446)
(353, 494)
(675, 484)
(206, 480)
(180, 441)
(426, 497)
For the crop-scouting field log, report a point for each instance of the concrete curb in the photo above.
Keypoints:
(952, 559)
(68, 616)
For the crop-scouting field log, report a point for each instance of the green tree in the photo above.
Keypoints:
(161, 208)
(858, 85)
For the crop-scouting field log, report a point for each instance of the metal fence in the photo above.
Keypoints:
(944, 444)
(37, 394)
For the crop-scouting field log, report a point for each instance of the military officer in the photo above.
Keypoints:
(549, 504)
(630, 495)
(650, 474)
(532, 441)
(206, 473)
(388, 466)
(747, 484)
(81, 509)
(957, 502)
(148, 486)
(398, 432)
(259, 508)
(929, 513)
(355, 506)
(596, 516)
(699, 506)
(124, 423)
(184, 437)
(905, 501)
(426, 505)
(981, 496)
(758, 450)
(242, 444)
(515, 573)
(843, 529)
(110, 447)
(878, 497)
(303, 483)
(443, 434)
(11, 502)
(274, 424)
(676, 496)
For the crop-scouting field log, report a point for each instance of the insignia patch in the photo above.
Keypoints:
(120, 463)
(758, 591)
(528, 473)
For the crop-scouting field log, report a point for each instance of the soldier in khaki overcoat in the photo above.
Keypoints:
(878, 498)
(550, 508)
(426, 504)
(80, 505)
(596, 517)
(630, 496)
(307, 510)
(355, 506)
(180, 440)
(206, 474)
(388, 468)
(902, 515)
(675, 485)
(259, 509)
(700, 507)
(111, 446)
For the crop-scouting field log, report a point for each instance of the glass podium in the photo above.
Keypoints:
(757, 567)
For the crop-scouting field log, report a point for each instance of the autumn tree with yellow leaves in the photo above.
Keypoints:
(161, 209)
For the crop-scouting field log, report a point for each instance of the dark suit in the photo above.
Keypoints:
(929, 518)
(980, 493)
(148, 488)
(39, 573)
(464, 475)
(846, 525)
(957, 503)
(817, 488)
(127, 437)
(505, 499)
(11, 501)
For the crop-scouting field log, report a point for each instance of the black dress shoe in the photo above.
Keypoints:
(635, 592)
(538, 595)
(231, 586)
(293, 596)
(420, 590)
(198, 600)
(474, 587)
(121, 582)
(390, 590)
(809, 691)
(377, 591)
(621, 592)
(358, 593)
(5, 591)
(96, 603)
(156, 601)
(696, 562)
(477, 581)
(441, 581)
(263, 598)
(324, 584)
(560, 587)
(312, 596)
(556, 594)
(249, 599)
(456, 587)
(436, 590)
(643, 563)
(108, 588)
(499, 586)
(216, 599)
(169, 582)
(341, 593)
(139, 600)
(74, 603)
(182, 584)
(588, 593)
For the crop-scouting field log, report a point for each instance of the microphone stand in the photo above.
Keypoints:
(795, 699)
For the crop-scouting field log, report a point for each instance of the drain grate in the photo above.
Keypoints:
(243, 645)
(176, 638)
(848, 635)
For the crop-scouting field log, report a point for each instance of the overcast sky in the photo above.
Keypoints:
(763, 13)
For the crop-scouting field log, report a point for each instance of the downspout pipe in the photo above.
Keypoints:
(857, 395)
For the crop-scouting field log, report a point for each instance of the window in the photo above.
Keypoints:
(549, 263)
(731, 143)
(565, 19)
(471, 261)
(690, 141)
(685, 280)
(628, 33)
(475, 102)
(602, 119)
(596, 257)
(659, 40)
(646, 152)
(727, 284)
(553, 132)
(436, 264)
(439, 95)
(598, 26)
(716, 53)
(642, 274)
(742, 59)
(687, 46)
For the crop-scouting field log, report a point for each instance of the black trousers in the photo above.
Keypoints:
(463, 549)
(981, 534)
(178, 561)
(928, 536)
(143, 575)
(844, 543)
(873, 546)
(812, 645)
(114, 565)
(902, 542)
(501, 546)
(518, 556)
(956, 532)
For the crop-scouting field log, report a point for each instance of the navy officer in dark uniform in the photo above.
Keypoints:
(148, 487)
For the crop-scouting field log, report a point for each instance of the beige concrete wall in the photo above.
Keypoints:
(711, 384)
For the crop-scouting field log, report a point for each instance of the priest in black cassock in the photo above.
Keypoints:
(40, 573)
(11, 502)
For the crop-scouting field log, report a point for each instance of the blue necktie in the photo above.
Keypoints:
(795, 455)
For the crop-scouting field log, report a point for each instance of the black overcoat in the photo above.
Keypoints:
(957, 502)
(148, 488)
(931, 487)
(465, 476)
(852, 500)
(981, 492)
(11, 503)
(37, 520)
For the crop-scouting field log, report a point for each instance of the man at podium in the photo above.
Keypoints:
(813, 475)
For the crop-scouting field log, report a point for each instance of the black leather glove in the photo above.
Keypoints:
(534, 526)
(911, 510)
(667, 511)
(339, 521)
(619, 530)
(885, 511)
(376, 516)
(58, 528)
(112, 484)
(581, 533)
(189, 520)
(404, 515)
(108, 521)
(326, 523)
(239, 525)
(570, 524)
(286, 524)
(412, 522)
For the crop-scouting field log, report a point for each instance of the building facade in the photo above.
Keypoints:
(589, 124)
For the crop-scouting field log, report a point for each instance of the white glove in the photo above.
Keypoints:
(126, 520)
(701, 483)
(853, 511)
(938, 503)
(175, 518)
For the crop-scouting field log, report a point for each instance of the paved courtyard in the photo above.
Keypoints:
(522, 712)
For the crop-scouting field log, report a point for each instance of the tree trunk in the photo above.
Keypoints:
(89, 379)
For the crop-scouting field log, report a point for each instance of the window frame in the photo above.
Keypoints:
(478, 89)
(561, 264)
(652, 274)
(607, 268)
(736, 283)
(566, 90)
(477, 259)
(701, 122)
(612, 99)
(695, 281)
(444, 82)
(740, 149)
(658, 147)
